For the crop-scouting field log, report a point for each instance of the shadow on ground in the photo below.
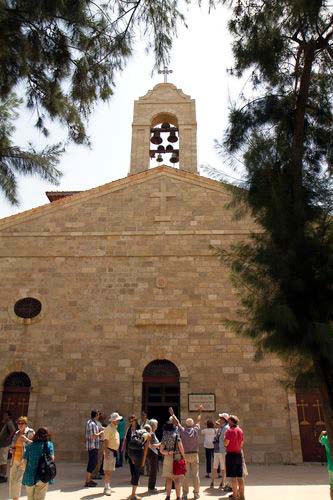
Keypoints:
(259, 475)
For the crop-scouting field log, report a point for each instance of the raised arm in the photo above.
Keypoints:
(174, 418)
(200, 408)
(176, 421)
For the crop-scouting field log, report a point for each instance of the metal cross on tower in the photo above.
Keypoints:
(165, 71)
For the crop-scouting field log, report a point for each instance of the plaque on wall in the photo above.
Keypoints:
(206, 400)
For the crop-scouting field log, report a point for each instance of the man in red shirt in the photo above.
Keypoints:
(233, 442)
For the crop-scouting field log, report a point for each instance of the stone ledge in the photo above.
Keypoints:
(161, 316)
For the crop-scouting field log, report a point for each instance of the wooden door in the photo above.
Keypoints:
(157, 399)
(160, 390)
(17, 401)
(311, 423)
(16, 393)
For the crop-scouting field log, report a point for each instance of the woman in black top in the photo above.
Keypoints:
(132, 427)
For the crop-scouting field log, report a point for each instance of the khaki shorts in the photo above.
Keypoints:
(167, 471)
(4, 455)
(219, 460)
(109, 463)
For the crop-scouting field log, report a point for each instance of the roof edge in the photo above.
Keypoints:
(57, 195)
(104, 189)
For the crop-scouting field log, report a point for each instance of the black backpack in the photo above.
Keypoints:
(46, 469)
(136, 444)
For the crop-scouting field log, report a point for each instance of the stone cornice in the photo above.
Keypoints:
(162, 86)
(92, 234)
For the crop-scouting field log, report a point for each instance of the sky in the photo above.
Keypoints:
(200, 58)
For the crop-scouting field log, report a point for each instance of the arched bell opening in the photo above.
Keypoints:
(310, 418)
(160, 390)
(16, 394)
(164, 140)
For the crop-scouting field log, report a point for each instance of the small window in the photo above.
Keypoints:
(27, 308)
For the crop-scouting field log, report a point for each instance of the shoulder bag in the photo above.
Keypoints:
(178, 466)
(46, 469)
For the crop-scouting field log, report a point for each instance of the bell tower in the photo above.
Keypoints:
(164, 130)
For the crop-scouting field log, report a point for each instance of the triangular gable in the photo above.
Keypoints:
(113, 187)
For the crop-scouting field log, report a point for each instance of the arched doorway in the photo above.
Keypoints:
(16, 393)
(160, 390)
(311, 421)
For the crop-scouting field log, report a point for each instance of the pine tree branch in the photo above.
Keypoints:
(327, 27)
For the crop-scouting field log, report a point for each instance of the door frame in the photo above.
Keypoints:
(137, 380)
(23, 366)
(304, 424)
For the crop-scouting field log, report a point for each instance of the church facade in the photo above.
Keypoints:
(115, 298)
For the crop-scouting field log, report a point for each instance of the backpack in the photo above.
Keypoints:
(46, 468)
(136, 444)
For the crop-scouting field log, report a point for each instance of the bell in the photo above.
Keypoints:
(159, 158)
(160, 149)
(156, 139)
(174, 158)
(152, 154)
(172, 137)
(165, 125)
(169, 148)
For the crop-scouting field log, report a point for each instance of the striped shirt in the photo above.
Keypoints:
(92, 441)
(190, 438)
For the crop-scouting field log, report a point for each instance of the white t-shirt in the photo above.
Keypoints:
(209, 434)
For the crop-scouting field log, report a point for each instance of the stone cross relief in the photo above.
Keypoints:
(163, 195)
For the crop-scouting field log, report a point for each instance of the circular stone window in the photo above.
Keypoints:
(27, 308)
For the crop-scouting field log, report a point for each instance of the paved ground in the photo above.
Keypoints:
(275, 482)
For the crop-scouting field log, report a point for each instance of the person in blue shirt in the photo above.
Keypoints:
(219, 454)
(36, 489)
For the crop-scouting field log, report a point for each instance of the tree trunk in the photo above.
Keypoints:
(323, 368)
(297, 147)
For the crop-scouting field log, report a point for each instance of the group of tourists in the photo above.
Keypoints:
(179, 448)
(24, 447)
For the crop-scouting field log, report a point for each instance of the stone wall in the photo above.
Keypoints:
(120, 289)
